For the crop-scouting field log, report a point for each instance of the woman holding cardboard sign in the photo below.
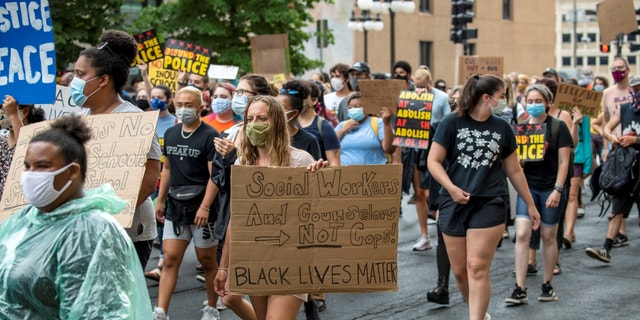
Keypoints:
(546, 180)
(266, 142)
(481, 152)
(364, 139)
(100, 74)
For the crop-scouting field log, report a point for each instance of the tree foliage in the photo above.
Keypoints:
(224, 26)
(79, 23)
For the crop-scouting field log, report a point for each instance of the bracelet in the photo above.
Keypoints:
(204, 208)
(558, 188)
(223, 269)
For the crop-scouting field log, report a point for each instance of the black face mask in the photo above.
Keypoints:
(354, 84)
(399, 77)
(143, 104)
(204, 112)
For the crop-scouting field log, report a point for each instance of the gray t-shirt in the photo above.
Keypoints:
(143, 227)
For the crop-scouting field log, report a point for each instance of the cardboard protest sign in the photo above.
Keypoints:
(569, 96)
(185, 56)
(217, 71)
(296, 231)
(270, 54)
(116, 154)
(615, 17)
(148, 47)
(470, 65)
(531, 141)
(63, 104)
(27, 53)
(161, 76)
(380, 93)
(413, 120)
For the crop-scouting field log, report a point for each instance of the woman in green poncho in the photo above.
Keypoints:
(64, 256)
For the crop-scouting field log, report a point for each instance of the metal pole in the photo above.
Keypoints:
(365, 46)
(392, 15)
(575, 33)
(459, 49)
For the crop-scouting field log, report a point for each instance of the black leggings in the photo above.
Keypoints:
(442, 259)
(143, 249)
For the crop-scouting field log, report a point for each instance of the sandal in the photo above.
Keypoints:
(321, 305)
(566, 242)
(153, 274)
(557, 270)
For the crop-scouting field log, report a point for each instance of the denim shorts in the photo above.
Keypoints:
(549, 216)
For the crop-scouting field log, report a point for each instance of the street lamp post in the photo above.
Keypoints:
(392, 7)
(365, 22)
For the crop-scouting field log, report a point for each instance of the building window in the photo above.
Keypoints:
(426, 55)
(425, 6)
(591, 61)
(566, 61)
(566, 37)
(592, 37)
(631, 60)
(506, 9)
(579, 61)
(604, 60)
(471, 49)
(631, 37)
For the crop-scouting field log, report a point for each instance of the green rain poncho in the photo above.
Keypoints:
(73, 263)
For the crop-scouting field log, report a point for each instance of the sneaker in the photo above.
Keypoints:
(620, 241)
(532, 270)
(200, 278)
(158, 314)
(412, 200)
(487, 316)
(547, 293)
(599, 254)
(424, 243)
(580, 213)
(219, 305)
(518, 297)
(210, 313)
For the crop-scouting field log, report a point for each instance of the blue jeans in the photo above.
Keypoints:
(548, 216)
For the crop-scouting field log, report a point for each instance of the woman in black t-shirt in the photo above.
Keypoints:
(481, 151)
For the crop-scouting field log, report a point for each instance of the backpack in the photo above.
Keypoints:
(619, 173)
(374, 126)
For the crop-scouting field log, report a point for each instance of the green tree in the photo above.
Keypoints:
(79, 23)
(224, 27)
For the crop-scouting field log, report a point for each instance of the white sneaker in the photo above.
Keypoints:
(158, 314)
(210, 313)
(424, 243)
(487, 316)
(219, 305)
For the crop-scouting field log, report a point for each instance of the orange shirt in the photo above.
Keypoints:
(219, 126)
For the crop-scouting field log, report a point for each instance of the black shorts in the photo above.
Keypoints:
(479, 213)
(622, 204)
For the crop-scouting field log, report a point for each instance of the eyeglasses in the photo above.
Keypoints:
(105, 45)
(243, 92)
(289, 91)
(618, 68)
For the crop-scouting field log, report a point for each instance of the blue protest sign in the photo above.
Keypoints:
(27, 53)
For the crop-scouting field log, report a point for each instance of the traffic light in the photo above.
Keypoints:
(461, 12)
(604, 48)
(458, 35)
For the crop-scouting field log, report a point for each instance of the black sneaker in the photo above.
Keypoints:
(518, 297)
(599, 254)
(532, 270)
(620, 241)
(547, 293)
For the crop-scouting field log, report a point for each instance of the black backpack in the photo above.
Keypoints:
(620, 172)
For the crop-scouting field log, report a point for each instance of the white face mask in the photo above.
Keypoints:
(38, 186)
(337, 84)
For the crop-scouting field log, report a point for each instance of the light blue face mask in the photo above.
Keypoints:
(536, 109)
(77, 91)
(239, 104)
(220, 105)
(356, 114)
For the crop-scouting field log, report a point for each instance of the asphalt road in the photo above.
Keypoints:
(587, 289)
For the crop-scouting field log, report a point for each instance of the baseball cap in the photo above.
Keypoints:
(361, 66)
(634, 81)
(550, 71)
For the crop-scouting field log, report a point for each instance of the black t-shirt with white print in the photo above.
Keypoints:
(474, 153)
(541, 175)
(189, 157)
